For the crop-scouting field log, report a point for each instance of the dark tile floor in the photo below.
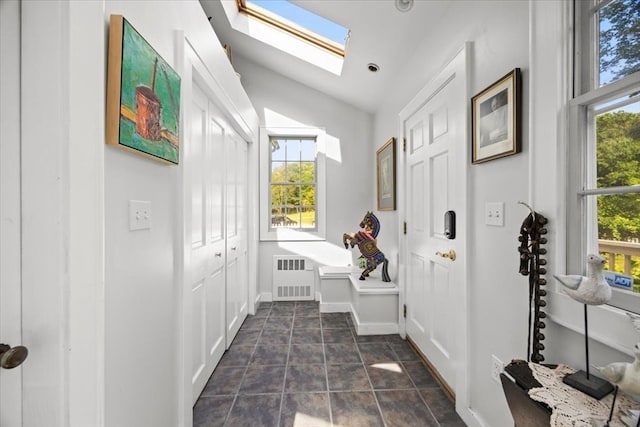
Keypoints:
(289, 365)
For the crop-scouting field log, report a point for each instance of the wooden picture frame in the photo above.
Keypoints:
(143, 96)
(496, 119)
(386, 176)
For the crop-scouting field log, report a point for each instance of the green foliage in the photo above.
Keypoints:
(618, 152)
(293, 187)
(620, 38)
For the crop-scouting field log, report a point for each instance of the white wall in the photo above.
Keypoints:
(135, 315)
(497, 294)
(280, 101)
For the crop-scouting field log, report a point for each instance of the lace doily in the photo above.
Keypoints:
(571, 407)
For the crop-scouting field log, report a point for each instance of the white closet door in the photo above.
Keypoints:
(236, 224)
(207, 267)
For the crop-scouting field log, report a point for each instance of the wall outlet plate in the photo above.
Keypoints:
(497, 367)
(139, 215)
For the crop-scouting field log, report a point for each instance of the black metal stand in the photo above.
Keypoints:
(593, 386)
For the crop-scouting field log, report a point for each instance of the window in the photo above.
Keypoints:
(298, 22)
(292, 184)
(604, 137)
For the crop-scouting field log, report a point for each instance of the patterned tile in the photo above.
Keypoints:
(237, 355)
(275, 337)
(404, 408)
(348, 377)
(253, 324)
(224, 381)
(376, 352)
(371, 338)
(420, 375)
(341, 353)
(283, 309)
(334, 322)
(270, 355)
(305, 410)
(307, 311)
(306, 323)
(306, 336)
(211, 411)
(281, 323)
(261, 410)
(244, 337)
(304, 354)
(442, 408)
(343, 336)
(263, 379)
(263, 311)
(404, 351)
(388, 376)
(355, 409)
(306, 378)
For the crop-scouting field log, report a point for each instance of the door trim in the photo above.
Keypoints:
(458, 67)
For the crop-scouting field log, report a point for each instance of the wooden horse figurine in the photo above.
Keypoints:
(367, 243)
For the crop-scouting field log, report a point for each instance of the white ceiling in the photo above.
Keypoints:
(379, 33)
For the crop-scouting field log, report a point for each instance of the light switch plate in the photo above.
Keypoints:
(139, 215)
(494, 214)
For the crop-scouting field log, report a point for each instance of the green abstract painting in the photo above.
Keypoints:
(143, 96)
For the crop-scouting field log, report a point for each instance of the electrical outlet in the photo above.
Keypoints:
(139, 215)
(497, 367)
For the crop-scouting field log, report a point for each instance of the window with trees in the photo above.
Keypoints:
(604, 137)
(293, 182)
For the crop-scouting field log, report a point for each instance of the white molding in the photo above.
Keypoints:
(372, 328)
(335, 307)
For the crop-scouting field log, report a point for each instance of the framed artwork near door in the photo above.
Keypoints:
(386, 176)
(143, 96)
(496, 119)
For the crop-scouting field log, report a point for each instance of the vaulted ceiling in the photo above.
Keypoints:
(380, 34)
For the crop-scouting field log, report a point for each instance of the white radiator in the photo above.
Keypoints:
(292, 278)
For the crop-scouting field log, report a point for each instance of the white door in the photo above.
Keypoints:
(205, 162)
(237, 290)
(10, 213)
(435, 132)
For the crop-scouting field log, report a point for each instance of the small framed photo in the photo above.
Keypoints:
(386, 175)
(496, 115)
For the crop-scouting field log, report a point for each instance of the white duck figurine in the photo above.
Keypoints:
(592, 289)
(625, 375)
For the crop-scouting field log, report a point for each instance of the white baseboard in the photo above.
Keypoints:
(265, 297)
(335, 307)
(372, 328)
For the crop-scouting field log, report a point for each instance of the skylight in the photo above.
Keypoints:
(299, 22)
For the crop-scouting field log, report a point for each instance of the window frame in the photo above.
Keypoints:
(580, 156)
(295, 30)
(269, 233)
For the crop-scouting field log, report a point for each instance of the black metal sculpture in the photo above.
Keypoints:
(531, 239)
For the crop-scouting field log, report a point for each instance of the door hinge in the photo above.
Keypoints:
(404, 311)
(405, 227)
(404, 144)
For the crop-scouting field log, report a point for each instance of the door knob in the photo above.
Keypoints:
(451, 255)
(11, 357)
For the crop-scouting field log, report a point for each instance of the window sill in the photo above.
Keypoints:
(608, 325)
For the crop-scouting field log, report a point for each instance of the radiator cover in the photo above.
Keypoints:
(292, 278)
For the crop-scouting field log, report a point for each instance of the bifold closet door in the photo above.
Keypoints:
(236, 225)
(205, 163)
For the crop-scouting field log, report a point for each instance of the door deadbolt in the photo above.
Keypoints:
(11, 357)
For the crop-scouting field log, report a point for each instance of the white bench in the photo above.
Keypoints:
(373, 304)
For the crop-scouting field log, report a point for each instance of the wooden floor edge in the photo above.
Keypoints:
(443, 384)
